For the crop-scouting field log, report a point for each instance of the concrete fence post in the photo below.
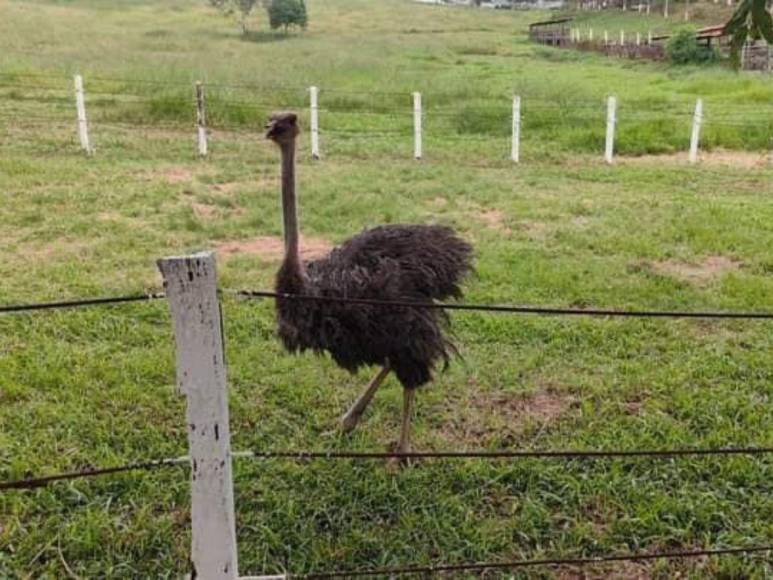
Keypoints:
(191, 289)
(609, 148)
(80, 107)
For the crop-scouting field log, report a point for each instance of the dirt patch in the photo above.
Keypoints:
(493, 219)
(204, 211)
(705, 271)
(177, 175)
(228, 187)
(271, 248)
(535, 230)
(580, 222)
(615, 571)
(504, 416)
(718, 157)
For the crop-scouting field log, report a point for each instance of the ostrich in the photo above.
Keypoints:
(392, 262)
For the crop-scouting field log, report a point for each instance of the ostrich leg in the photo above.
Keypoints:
(353, 415)
(404, 445)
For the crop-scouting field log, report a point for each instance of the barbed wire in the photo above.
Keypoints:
(44, 481)
(99, 301)
(505, 308)
(515, 564)
(496, 308)
(89, 472)
(525, 92)
(504, 454)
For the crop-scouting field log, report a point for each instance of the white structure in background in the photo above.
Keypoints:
(501, 4)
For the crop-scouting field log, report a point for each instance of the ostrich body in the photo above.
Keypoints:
(394, 262)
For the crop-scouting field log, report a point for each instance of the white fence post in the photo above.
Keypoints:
(696, 130)
(622, 38)
(417, 125)
(609, 148)
(314, 123)
(649, 37)
(80, 105)
(201, 123)
(665, 9)
(638, 39)
(606, 38)
(516, 147)
(191, 289)
(590, 35)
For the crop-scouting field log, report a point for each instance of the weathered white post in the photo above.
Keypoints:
(622, 38)
(609, 148)
(201, 131)
(515, 153)
(649, 37)
(696, 130)
(590, 35)
(80, 106)
(191, 289)
(665, 9)
(638, 39)
(417, 125)
(314, 123)
(606, 38)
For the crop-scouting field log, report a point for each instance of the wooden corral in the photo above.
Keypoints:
(551, 32)
(755, 55)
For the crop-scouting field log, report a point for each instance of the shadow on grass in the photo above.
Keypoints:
(261, 36)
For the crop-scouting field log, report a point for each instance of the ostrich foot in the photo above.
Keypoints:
(395, 463)
(354, 414)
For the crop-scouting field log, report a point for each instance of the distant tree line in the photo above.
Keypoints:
(283, 14)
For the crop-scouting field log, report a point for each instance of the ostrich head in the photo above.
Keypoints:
(282, 128)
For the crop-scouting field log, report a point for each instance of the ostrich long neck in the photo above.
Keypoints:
(289, 205)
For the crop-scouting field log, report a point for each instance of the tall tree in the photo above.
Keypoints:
(243, 8)
(286, 13)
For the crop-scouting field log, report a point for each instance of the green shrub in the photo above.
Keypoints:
(683, 48)
(287, 13)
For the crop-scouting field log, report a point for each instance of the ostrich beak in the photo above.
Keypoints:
(270, 126)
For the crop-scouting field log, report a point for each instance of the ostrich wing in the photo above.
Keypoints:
(420, 262)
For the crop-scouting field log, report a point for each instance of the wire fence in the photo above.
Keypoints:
(429, 305)
(28, 483)
(32, 483)
(346, 119)
(517, 564)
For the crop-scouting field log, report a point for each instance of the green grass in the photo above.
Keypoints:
(96, 386)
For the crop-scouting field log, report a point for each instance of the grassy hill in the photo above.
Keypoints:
(96, 386)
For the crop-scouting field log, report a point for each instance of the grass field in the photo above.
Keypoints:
(96, 386)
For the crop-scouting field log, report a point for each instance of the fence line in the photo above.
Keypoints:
(99, 301)
(505, 454)
(401, 114)
(508, 309)
(515, 564)
(44, 481)
(494, 308)
(191, 290)
(333, 455)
